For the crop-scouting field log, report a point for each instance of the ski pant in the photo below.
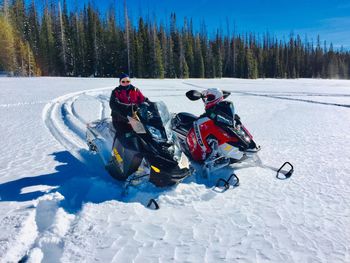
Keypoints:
(121, 128)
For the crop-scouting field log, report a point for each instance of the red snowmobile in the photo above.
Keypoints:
(217, 138)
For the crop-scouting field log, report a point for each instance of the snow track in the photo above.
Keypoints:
(288, 96)
(67, 125)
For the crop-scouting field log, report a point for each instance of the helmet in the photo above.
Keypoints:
(211, 97)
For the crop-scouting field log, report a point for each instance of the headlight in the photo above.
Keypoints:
(156, 134)
(246, 138)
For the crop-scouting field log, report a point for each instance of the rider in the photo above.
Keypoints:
(211, 97)
(124, 101)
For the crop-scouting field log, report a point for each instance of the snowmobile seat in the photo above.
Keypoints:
(184, 122)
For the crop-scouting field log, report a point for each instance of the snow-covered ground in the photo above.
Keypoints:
(57, 204)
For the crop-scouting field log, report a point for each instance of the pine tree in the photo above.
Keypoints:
(62, 43)
(7, 44)
(218, 61)
(209, 63)
(176, 47)
(33, 29)
(251, 67)
(139, 62)
(198, 59)
(157, 63)
(47, 45)
(127, 38)
(188, 41)
(18, 18)
(183, 67)
(78, 44)
(332, 64)
(164, 49)
(90, 28)
(25, 60)
(170, 71)
(318, 61)
(240, 71)
(147, 46)
(112, 46)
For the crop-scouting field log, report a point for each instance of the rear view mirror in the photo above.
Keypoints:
(226, 93)
(194, 95)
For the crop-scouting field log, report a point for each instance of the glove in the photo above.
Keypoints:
(134, 107)
(149, 115)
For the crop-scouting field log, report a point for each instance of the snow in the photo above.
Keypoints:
(57, 204)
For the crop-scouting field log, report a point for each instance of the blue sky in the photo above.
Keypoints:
(329, 19)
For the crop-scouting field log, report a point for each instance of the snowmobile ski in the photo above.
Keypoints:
(286, 174)
(225, 184)
(152, 204)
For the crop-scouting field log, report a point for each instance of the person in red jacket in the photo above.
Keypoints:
(124, 101)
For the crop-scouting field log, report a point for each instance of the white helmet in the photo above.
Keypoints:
(211, 97)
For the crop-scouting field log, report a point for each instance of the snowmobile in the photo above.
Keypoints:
(148, 151)
(217, 138)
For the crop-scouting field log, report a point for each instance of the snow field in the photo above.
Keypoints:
(58, 204)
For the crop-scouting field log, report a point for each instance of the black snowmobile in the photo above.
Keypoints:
(149, 150)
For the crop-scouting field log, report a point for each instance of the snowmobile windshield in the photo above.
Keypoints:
(163, 112)
(166, 120)
(155, 116)
(225, 112)
(154, 113)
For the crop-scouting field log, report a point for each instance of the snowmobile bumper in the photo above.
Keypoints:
(114, 170)
(165, 174)
(253, 150)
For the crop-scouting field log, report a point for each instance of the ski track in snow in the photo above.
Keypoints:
(288, 95)
(21, 104)
(48, 222)
(66, 125)
(192, 224)
(295, 99)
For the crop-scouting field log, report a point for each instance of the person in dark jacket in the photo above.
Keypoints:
(125, 100)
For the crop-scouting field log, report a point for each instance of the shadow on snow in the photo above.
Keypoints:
(79, 183)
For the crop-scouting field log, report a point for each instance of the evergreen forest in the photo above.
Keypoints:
(51, 40)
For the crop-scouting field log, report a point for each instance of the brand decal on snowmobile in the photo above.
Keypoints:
(117, 156)
(157, 170)
(228, 147)
(197, 132)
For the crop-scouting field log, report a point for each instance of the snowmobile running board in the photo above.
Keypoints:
(287, 174)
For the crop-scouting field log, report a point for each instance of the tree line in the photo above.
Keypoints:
(58, 42)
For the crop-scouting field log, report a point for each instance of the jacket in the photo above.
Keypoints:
(124, 100)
